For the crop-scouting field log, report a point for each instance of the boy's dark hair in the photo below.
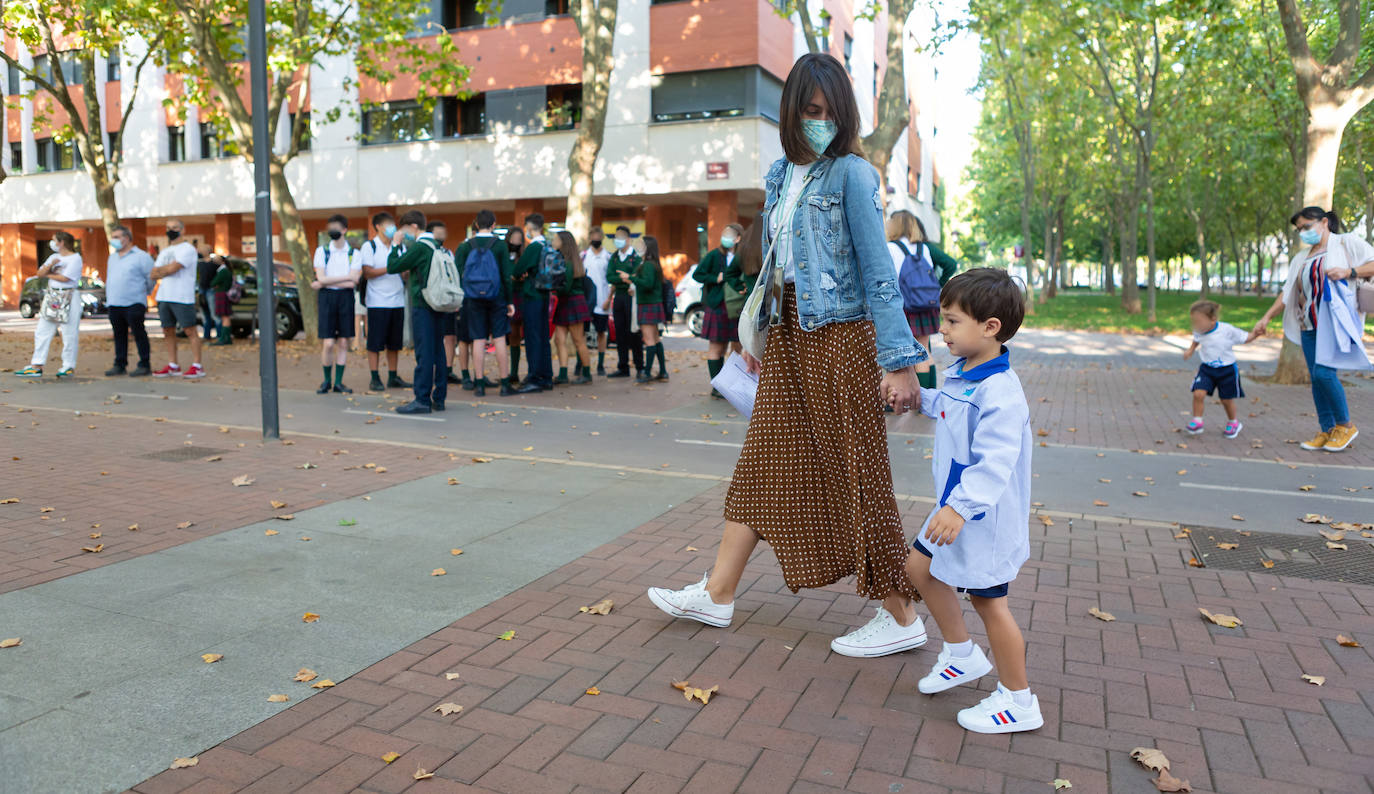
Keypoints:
(984, 293)
(381, 217)
(818, 71)
(412, 216)
(432, 225)
(625, 229)
(1209, 309)
(535, 219)
(485, 219)
(339, 219)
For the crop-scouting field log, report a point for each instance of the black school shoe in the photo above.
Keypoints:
(466, 381)
(662, 375)
(619, 374)
(507, 390)
(413, 407)
(395, 382)
(325, 388)
(437, 405)
(342, 389)
(582, 380)
(479, 389)
(643, 376)
(529, 388)
(376, 385)
(142, 370)
(115, 370)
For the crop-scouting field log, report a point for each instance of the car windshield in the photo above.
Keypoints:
(286, 276)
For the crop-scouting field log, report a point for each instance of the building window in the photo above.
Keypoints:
(17, 157)
(554, 8)
(849, 54)
(112, 144)
(397, 122)
(55, 156)
(71, 62)
(302, 139)
(464, 116)
(713, 94)
(112, 72)
(14, 79)
(176, 144)
(564, 111)
(215, 143)
(825, 31)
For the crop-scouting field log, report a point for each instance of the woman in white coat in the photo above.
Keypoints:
(1329, 255)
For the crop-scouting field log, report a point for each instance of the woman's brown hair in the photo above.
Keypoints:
(567, 246)
(66, 239)
(749, 249)
(818, 71)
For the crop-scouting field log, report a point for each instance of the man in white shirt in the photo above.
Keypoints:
(337, 270)
(385, 298)
(175, 272)
(594, 260)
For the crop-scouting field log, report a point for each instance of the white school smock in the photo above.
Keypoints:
(982, 467)
(1214, 347)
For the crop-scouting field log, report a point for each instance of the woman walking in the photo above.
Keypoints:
(720, 276)
(813, 478)
(1329, 255)
(906, 235)
(648, 284)
(60, 311)
(571, 316)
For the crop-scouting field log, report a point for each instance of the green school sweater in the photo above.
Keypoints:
(648, 281)
(522, 274)
(222, 280)
(415, 261)
(498, 249)
(711, 266)
(614, 267)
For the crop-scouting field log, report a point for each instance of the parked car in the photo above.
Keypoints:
(245, 316)
(92, 296)
(689, 302)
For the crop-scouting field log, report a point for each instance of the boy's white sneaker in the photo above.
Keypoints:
(998, 713)
(693, 602)
(881, 636)
(951, 671)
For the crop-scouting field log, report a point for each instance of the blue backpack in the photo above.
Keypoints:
(918, 284)
(481, 274)
(552, 272)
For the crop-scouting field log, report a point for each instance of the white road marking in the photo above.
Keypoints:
(393, 415)
(1272, 492)
(121, 395)
(709, 443)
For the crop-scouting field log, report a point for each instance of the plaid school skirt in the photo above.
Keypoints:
(571, 310)
(924, 322)
(717, 326)
(651, 314)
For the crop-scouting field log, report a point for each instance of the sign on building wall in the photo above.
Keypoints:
(717, 170)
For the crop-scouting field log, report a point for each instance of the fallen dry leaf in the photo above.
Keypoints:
(12, 642)
(94, 549)
(310, 617)
(392, 756)
(1100, 615)
(1140, 493)
(277, 698)
(446, 709)
(1047, 521)
(1193, 561)
(270, 532)
(1237, 517)
(186, 525)
(1099, 503)
(1315, 518)
(10, 501)
(277, 504)
(1315, 680)
(1223, 620)
(1306, 487)
(680, 685)
(1182, 472)
(451, 676)
(1347, 642)
(214, 458)
(1167, 782)
(323, 683)
(421, 774)
(691, 548)
(593, 691)
(1331, 535)
(1228, 546)
(46, 509)
(1104, 479)
(184, 763)
(455, 552)
(438, 572)
(242, 480)
(599, 608)
(306, 674)
(453, 481)
(481, 460)
(95, 535)
(507, 635)
(286, 517)
(1061, 783)
(704, 695)
(1267, 563)
(211, 658)
(1150, 758)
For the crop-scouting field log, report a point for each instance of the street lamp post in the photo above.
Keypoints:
(262, 219)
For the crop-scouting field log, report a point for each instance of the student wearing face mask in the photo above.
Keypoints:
(411, 252)
(718, 272)
(623, 264)
(175, 270)
(385, 298)
(338, 268)
(594, 260)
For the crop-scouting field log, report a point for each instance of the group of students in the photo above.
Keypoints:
(521, 291)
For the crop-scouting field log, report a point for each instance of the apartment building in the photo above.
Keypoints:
(691, 131)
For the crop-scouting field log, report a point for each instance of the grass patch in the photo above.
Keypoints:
(1098, 312)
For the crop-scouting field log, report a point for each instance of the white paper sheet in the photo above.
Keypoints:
(737, 384)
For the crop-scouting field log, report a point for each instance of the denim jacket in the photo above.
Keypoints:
(844, 271)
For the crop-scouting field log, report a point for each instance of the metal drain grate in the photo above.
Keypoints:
(1293, 555)
(180, 454)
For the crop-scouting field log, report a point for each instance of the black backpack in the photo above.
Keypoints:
(669, 299)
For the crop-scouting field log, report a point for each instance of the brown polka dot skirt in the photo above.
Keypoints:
(813, 479)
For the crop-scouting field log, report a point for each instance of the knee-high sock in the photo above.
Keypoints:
(713, 366)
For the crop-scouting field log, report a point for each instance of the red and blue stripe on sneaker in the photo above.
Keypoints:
(1003, 717)
(950, 673)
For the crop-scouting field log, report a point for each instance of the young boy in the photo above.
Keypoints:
(976, 539)
(430, 386)
(486, 301)
(386, 304)
(534, 308)
(1218, 371)
(337, 271)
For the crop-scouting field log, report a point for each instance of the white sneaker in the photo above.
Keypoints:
(881, 636)
(998, 713)
(693, 602)
(951, 671)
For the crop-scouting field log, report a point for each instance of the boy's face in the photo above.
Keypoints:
(1201, 322)
(965, 336)
(532, 231)
(440, 234)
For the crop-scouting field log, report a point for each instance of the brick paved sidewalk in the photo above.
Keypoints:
(72, 472)
(1228, 706)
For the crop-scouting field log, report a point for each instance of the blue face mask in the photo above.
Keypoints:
(389, 230)
(410, 238)
(620, 243)
(727, 243)
(1310, 236)
(117, 245)
(819, 134)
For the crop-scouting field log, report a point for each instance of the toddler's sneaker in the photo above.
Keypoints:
(167, 371)
(195, 371)
(951, 671)
(1232, 428)
(998, 713)
(693, 602)
(1193, 427)
(881, 636)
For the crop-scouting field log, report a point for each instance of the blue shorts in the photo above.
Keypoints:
(486, 318)
(1225, 381)
(1000, 591)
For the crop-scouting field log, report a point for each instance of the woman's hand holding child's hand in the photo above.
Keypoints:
(944, 526)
